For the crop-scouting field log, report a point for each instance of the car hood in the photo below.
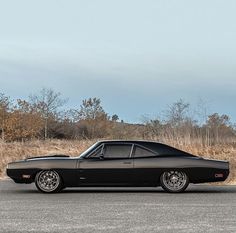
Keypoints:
(47, 157)
(37, 158)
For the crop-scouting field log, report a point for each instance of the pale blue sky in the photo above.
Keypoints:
(137, 56)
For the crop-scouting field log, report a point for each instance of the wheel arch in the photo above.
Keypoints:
(183, 169)
(175, 182)
(59, 172)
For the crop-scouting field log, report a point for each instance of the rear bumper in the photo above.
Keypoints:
(209, 175)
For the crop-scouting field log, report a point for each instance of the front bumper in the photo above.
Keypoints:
(25, 176)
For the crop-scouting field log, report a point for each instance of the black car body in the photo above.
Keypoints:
(119, 163)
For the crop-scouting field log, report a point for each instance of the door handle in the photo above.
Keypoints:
(126, 162)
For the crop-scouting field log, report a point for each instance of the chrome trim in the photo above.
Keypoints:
(97, 148)
(131, 151)
(145, 148)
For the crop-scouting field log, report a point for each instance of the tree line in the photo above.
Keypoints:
(42, 116)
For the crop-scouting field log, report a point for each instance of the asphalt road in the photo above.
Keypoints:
(201, 209)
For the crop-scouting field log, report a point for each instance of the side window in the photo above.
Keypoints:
(141, 152)
(117, 151)
(96, 153)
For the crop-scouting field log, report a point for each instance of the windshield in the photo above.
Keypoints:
(89, 149)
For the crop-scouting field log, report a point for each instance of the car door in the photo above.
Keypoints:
(145, 166)
(109, 165)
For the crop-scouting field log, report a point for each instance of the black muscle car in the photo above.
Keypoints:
(119, 163)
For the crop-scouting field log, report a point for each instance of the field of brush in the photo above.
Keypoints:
(19, 150)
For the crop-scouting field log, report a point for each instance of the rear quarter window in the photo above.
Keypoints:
(140, 152)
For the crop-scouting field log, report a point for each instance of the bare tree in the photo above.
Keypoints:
(153, 127)
(91, 109)
(220, 127)
(47, 102)
(202, 112)
(177, 112)
(4, 108)
(92, 118)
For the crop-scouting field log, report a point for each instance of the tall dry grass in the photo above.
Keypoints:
(19, 150)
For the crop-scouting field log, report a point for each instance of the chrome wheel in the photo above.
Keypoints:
(174, 181)
(47, 181)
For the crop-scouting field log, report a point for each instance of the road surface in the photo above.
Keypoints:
(201, 209)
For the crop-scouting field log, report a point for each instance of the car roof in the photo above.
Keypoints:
(128, 141)
(139, 142)
(152, 145)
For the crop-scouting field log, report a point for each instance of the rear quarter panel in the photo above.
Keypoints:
(198, 170)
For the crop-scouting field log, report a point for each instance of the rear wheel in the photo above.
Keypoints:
(48, 181)
(174, 181)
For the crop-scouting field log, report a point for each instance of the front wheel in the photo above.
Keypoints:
(174, 181)
(48, 181)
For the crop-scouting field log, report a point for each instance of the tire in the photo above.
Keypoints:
(174, 181)
(48, 181)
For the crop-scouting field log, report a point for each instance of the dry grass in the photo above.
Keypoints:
(17, 150)
(20, 150)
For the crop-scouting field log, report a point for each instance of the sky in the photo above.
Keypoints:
(138, 57)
